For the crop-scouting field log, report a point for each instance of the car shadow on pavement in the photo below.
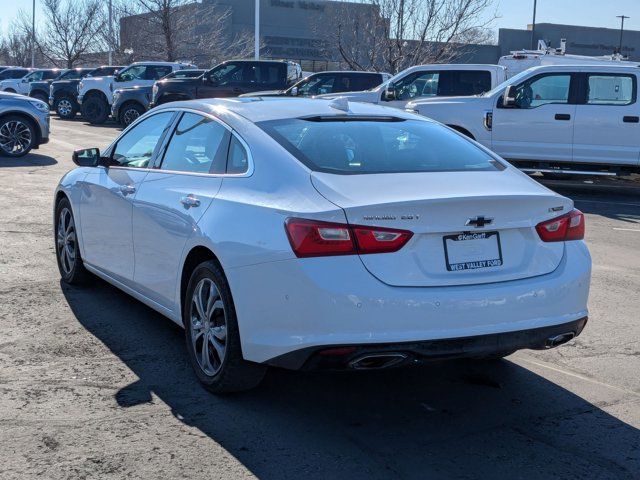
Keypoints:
(459, 419)
(29, 160)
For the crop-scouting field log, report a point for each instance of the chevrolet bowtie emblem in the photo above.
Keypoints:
(479, 221)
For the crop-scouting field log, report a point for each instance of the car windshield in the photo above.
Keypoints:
(509, 81)
(365, 145)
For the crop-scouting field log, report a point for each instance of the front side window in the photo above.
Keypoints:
(419, 84)
(197, 145)
(604, 89)
(72, 75)
(135, 148)
(156, 73)
(343, 145)
(136, 72)
(316, 85)
(34, 77)
(225, 74)
(542, 90)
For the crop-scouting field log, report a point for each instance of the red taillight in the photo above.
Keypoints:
(312, 238)
(566, 227)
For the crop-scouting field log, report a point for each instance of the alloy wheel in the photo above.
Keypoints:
(64, 108)
(130, 115)
(208, 326)
(66, 241)
(15, 137)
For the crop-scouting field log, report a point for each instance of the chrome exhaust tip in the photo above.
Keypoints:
(376, 361)
(557, 340)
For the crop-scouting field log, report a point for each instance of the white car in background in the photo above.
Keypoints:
(313, 234)
(573, 118)
(22, 84)
(427, 81)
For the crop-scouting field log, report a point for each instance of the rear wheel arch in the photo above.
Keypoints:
(462, 130)
(172, 97)
(195, 257)
(10, 90)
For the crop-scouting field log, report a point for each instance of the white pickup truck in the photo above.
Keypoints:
(553, 119)
(95, 94)
(427, 81)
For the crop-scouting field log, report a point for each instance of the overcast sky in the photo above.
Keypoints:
(513, 13)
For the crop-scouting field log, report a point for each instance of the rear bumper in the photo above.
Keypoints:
(298, 304)
(345, 357)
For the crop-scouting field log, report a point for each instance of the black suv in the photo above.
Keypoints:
(229, 79)
(40, 88)
(63, 93)
(327, 82)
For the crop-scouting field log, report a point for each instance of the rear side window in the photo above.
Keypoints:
(384, 145)
(444, 83)
(607, 89)
(157, 72)
(17, 74)
(72, 75)
(49, 75)
(358, 82)
(198, 145)
(238, 160)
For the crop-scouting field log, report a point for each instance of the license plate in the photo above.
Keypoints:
(470, 251)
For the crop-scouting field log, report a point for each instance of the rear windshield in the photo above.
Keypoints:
(384, 145)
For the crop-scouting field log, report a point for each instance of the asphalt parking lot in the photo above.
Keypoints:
(95, 385)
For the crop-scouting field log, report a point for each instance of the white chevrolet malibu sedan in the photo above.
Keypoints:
(314, 234)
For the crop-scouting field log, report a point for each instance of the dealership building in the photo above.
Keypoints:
(298, 30)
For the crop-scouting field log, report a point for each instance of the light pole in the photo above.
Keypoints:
(533, 25)
(621, 17)
(110, 32)
(33, 35)
(256, 33)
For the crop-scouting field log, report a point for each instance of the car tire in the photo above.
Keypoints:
(95, 110)
(68, 255)
(17, 136)
(65, 107)
(40, 96)
(129, 113)
(212, 335)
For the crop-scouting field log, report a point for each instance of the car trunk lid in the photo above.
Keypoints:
(468, 227)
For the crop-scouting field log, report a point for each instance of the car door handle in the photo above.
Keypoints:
(236, 90)
(127, 190)
(631, 119)
(563, 116)
(190, 201)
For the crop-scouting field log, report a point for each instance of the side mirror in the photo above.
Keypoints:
(117, 78)
(389, 94)
(293, 92)
(211, 79)
(509, 97)
(24, 80)
(87, 157)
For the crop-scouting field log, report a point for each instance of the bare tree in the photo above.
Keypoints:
(156, 27)
(391, 35)
(16, 45)
(183, 30)
(70, 30)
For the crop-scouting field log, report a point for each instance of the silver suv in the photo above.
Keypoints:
(24, 124)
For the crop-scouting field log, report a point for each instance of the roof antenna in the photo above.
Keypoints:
(340, 103)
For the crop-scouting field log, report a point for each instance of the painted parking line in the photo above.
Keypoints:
(627, 229)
